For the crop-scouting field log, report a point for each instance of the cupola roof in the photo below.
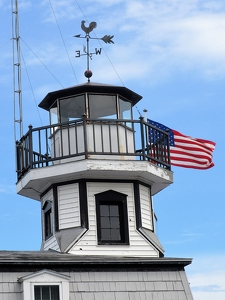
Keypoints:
(90, 87)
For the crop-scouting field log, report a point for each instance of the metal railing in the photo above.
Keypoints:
(92, 138)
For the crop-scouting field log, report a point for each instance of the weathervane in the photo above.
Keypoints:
(107, 39)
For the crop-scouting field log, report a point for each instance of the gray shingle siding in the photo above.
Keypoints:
(96, 279)
(111, 285)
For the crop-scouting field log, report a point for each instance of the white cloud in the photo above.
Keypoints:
(173, 34)
(158, 38)
(206, 277)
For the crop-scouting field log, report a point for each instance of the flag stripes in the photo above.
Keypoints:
(188, 152)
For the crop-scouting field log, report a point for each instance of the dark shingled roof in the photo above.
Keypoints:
(90, 87)
(56, 260)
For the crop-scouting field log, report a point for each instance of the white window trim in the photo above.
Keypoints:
(45, 277)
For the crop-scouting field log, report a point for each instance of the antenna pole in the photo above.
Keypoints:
(17, 84)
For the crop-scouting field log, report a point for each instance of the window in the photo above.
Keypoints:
(102, 106)
(48, 224)
(71, 108)
(46, 292)
(112, 223)
(45, 285)
(125, 109)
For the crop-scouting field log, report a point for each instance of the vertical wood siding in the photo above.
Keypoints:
(146, 207)
(88, 245)
(68, 206)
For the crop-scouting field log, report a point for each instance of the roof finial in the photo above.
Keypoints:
(107, 39)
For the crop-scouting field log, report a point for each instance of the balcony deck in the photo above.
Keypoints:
(120, 148)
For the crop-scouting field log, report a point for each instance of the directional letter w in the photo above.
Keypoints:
(98, 51)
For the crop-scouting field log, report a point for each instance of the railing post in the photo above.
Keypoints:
(30, 146)
(18, 159)
(168, 148)
(85, 135)
(142, 136)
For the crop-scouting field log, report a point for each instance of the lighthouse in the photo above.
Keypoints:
(92, 169)
(95, 170)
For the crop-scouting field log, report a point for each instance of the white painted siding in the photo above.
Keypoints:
(87, 245)
(68, 206)
(51, 243)
(146, 208)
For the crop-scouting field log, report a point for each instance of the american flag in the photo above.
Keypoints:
(186, 151)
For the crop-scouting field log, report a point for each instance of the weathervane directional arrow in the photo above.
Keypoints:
(107, 39)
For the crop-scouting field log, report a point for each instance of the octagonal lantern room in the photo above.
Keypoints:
(95, 102)
(89, 90)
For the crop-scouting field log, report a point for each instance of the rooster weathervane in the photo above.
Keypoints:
(107, 39)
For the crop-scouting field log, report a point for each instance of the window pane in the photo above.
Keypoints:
(110, 222)
(53, 115)
(48, 223)
(104, 210)
(46, 293)
(115, 235)
(105, 234)
(115, 223)
(55, 292)
(71, 108)
(37, 293)
(114, 210)
(125, 109)
(102, 106)
(105, 222)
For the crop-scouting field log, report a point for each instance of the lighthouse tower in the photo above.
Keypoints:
(95, 169)
(95, 172)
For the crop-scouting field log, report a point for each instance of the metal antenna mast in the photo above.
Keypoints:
(18, 115)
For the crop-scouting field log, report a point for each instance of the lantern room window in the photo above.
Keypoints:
(102, 106)
(71, 108)
(67, 109)
(95, 106)
(125, 109)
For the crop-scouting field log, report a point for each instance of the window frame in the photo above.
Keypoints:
(94, 97)
(111, 197)
(46, 285)
(48, 219)
(44, 278)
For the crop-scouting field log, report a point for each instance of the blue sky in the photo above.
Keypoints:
(173, 54)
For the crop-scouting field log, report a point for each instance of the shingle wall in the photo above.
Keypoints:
(10, 289)
(130, 285)
(161, 285)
